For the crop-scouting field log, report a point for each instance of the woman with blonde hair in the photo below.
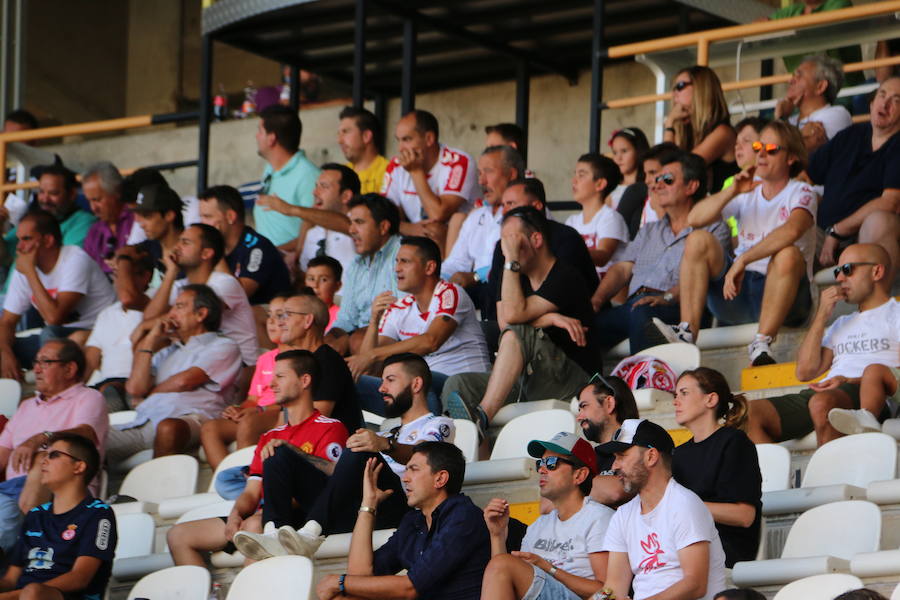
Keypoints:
(699, 122)
(719, 463)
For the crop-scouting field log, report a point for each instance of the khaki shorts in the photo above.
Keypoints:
(122, 443)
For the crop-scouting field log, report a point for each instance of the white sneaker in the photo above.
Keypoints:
(674, 334)
(760, 353)
(259, 546)
(301, 542)
(851, 421)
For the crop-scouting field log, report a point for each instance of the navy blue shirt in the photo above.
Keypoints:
(256, 258)
(851, 173)
(50, 544)
(446, 562)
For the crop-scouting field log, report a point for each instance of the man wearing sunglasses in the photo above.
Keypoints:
(562, 552)
(844, 350)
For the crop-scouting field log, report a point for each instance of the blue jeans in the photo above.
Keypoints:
(231, 482)
(10, 515)
(370, 398)
(612, 325)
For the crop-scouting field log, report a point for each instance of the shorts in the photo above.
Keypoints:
(793, 410)
(122, 443)
(546, 587)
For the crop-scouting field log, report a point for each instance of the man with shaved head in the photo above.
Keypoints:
(844, 349)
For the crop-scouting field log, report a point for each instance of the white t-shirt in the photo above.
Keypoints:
(111, 334)
(427, 428)
(74, 271)
(864, 338)
(606, 224)
(455, 173)
(473, 250)
(758, 217)
(615, 196)
(465, 351)
(833, 119)
(237, 319)
(652, 540)
(338, 246)
(566, 544)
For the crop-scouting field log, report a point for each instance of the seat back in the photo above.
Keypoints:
(161, 478)
(209, 511)
(839, 461)
(681, 357)
(819, 587)
(276, 577)
(896, 593)
(136, 533)
(541, 425)
(840, 529)
(10, 394)
(175, 583)
(775, 466)
(466, 438)
(238, 458)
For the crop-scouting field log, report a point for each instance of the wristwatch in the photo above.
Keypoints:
(513, 266)
(668, 297)
(830, 231)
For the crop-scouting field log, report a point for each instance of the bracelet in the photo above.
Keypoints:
(342, 589)
(145, 350)
(672, 129)
(368, 509)
(552, 571)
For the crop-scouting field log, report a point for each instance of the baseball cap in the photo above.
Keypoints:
(157, 198)
(141, 178)
(567, 444)
(639, 432)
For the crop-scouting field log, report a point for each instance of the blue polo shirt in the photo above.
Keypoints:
(294, 183)
(445, 562)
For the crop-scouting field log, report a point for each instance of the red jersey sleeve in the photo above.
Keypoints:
(332, 440)
(457, 167)
(448, 300)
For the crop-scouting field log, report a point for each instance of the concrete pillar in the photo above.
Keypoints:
(154, 56)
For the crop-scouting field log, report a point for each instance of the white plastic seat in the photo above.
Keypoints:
(122, 417)
(370, 417)
(835, 472)
(10, 394)
(517, 409)
(819, 587)
(681, 357)
(136, 532)
(821, 540)
(466, 438)
(276, 577)
(172, 508)
(512, 441)
(801, 444)
(175, 583)
(338, 544)
(896, 593)
(775, 466)
(647, 398)
(157, 480)
(498, 470)
(714, 338)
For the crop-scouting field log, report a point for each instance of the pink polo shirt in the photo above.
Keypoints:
(78, 405)
(262, 378)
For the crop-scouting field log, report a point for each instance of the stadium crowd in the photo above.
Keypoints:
(436, 285)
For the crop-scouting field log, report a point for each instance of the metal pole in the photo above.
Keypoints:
(523, 96)
(295, 88)
(598, 52)
(381, 115)
(18, 90)
(206, 58)
(766, 69)
(5, 43)
(359, 55)
(408, 78)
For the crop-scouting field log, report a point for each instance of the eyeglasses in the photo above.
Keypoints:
(666, 178)
(847, 268)
(680, 85)
(275, 315)
(48, 361)
(54, 454)
(283, 315)
(771, 149)
(551, 463)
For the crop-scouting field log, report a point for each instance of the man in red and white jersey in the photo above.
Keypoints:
(428, 180)
(307, 439)
(436, 321)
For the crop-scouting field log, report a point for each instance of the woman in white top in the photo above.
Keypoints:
(628, 145)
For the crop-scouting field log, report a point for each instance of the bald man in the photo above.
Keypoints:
(853, 342)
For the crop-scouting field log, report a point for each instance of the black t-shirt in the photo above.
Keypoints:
(567, 246)
(851, 173)
(49, 544)
(724, 468)
(336, 384)
(631, 206)
(256, 258)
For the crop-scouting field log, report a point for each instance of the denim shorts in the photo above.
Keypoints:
(546, 587)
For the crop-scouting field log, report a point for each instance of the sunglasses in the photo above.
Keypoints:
(680, 85)
(666, 178)
(772, 149)
(551, 463)
(598, 377)
(54, 454)
(847, 268)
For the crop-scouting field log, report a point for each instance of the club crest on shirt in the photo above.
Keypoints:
(333, 451)
(69, 533)
(412, 436)
(443, 431)
(652, 549)
(307, 447)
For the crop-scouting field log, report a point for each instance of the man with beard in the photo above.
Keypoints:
(406, 380)
(663, 542)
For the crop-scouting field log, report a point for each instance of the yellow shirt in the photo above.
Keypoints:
(370, 179)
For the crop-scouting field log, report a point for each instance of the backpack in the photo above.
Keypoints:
(642, 371)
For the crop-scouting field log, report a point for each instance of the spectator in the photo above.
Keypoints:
(699, 122)
(650, 264)
(436, 320)
(860, 594)
(886, 49)
(505, 134)
(573, 564)
(844, 350)
(200, 248)
(374, 223)
(158, 210)
(741, 594)
(67, 546)
(602, 228)
(768, 279)
(308, 438)
(748, 131)
(664, 540)
(102, 187)
(289, 175)
(61, 404)
(428, 180)
(543, 313)
(640, 205)
(719, 463)
(62, 283)
(812, 91)
(860, 169)
(323, 276)
(443, 546)
(359, 135)
(628, 145)
(108, 349)
(182, 375)
(406, 383)
(19, 120)
(251, 258)
(877, 385)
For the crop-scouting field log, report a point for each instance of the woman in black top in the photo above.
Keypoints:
(720, 463)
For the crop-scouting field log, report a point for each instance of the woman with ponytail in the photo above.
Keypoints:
(719, 463)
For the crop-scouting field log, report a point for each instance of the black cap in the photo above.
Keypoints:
(141, 178)
(639, 432)
(157, 198)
